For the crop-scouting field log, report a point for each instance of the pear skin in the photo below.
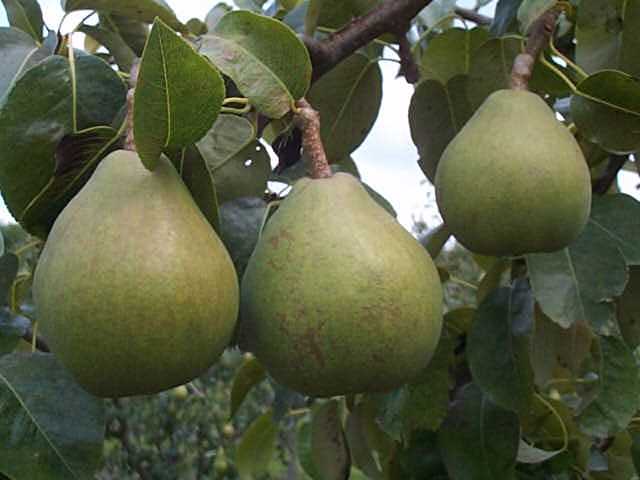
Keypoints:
(338, 298)
(514, 179)
(134, 290)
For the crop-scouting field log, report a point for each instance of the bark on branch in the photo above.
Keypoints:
(391, 16)
(537, 39)
(473, 16)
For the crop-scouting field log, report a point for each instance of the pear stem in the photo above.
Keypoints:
(538, 38)
(129, 141)
(308, 120)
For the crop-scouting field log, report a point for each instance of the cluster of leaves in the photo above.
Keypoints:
(536, 375)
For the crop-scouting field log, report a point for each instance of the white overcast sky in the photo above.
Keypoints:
(387, 160)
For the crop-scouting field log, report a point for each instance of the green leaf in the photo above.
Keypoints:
(240, 222)
(329, 450)
(606, 38)
(530, 454)
(173, 109)
(263, 57)
(257, 447)
(436, 240)
(25, 15)
(112, 41)
(19, 52)
(215, 14)
(448, 54)
(305, 450)
(635, 452)
(51, 428)
(505, 17)
(498, 349)
(12, 329)
(359, 447)
(619, 462)
(77, 156)
(312, 17)
(422, 403)
(436, 114)
(239, 164)
(530, 10)
(619, 216)
(133, 32)
(9, 265)
(490, 67)
(547, 340)
(492, 279)
(143, 10)
(1, 244)
(579, 282)
(348, 98)
(629, 309)
(250, 374)
(606, 110)
(617, 398)
(198, 179)
(33, 130)
(479, 440)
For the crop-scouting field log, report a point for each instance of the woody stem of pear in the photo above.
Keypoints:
(129, 142)
(308, 121)
(538, 37)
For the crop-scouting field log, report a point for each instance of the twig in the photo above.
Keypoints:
(408, 67)
(538, 38)
(473, 16)
(129, 142)
(40, 343)
(308, 120)
(390, 16)
(603, 184)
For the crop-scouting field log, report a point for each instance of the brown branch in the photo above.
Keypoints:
(129, 142)
(408, 67)
(390, 16)
(40, 343)
(537, 39)
(603, 184)
(473, 16)
(308, 120)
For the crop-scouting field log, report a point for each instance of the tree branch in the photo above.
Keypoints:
(40, 343)
(538, 37)
(473, 16)
(408, 67)
(391, 16)
(129, 142)
(603, 184)
(308, 121)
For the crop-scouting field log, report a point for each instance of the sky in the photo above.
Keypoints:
(387, 160)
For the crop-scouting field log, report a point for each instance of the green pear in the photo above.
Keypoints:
(514, 179)
(337, 297)
(629, 309)
(134, 290)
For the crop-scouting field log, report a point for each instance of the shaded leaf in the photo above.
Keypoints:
(240, 165)
(215, 14)
(25, 15)
(51, 427)
(133, 32)
(19, 52)
(606, 110)
(629, 309)
(505, 17)
(33, 130)
(348, 98)
(250, 374)
(112, 41)
(9, 265)
(579, 282)
(619, 216)
(437, 112)
(144, 10)
(263, 57)
(436, 240)
(198, 179)
(257, 447)
(240, 222)
(173, 110)
(479, 440)
(330, 452)
(498, 349)
(12, 329)
(359, 447)
(617, 398)
(530, 454)
(448, 54)
(530, 10)
(492, 279)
